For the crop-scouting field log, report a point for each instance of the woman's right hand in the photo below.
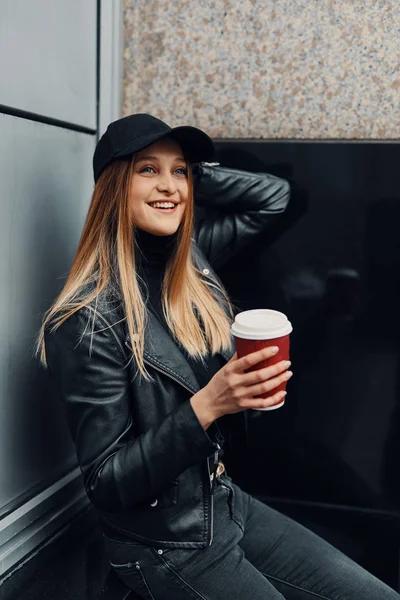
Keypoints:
(232, 390)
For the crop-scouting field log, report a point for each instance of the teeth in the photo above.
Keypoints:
(162, 204)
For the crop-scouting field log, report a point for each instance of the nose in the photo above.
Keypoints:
(166, 184)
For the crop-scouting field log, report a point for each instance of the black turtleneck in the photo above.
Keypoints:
(152, 256)
(155, 248)
(151, 263)
(152, 260)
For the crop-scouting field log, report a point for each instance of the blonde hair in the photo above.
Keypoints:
(106, 258)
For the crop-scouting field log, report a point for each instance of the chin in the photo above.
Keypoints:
(163, 230)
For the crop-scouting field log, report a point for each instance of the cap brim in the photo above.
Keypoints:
(196, 145)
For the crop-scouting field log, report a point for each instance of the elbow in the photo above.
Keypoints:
(104, 500)
(283, 194)
(102, 492)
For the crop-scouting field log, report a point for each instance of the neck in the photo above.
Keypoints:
(154, 249)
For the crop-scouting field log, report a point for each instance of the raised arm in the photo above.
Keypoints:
(118, 469)
(233, 207)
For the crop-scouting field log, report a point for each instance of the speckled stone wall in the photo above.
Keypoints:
(316, 69)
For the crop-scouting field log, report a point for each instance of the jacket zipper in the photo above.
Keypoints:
(212, 503)
(208, 466)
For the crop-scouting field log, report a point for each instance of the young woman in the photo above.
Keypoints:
(139, 343)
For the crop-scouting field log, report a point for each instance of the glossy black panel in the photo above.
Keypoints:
(329, 458)
(336, 273)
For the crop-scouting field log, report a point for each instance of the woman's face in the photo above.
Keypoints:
(159, 175)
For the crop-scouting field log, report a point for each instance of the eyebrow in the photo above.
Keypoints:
(157, 158)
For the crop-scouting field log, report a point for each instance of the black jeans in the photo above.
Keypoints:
(257, 553)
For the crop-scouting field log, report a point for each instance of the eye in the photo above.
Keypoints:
(147, 169)
(183, 171)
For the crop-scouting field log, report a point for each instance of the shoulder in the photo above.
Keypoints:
(197, 254)
(209, 276)
(100, 321)
(200, 261)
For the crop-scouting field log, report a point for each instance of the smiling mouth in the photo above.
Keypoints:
(161, 208)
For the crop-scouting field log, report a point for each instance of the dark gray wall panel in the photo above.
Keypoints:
(45, 188)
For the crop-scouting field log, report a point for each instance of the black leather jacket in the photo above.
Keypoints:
(141, 449)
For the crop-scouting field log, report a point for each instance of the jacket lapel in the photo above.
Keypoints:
(202, 265)
(163, 353)
(160, 350)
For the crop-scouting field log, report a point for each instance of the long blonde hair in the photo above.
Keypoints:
(106, 257)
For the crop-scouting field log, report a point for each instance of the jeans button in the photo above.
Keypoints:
(154, 503)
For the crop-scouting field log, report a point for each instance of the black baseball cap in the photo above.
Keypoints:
(135, 132)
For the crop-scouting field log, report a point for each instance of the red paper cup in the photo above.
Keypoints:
(262, 328)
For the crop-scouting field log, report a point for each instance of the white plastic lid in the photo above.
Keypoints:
(261, 324)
